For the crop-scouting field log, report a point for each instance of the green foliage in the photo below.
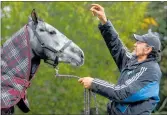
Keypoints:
(50, 95)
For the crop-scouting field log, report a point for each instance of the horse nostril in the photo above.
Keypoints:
(78, 51)
(82, 56)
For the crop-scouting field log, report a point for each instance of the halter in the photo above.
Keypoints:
(44, 46)
(87, 93)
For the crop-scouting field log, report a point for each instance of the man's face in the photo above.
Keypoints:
(141, 48)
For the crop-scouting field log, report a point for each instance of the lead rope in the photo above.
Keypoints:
(94, 95)
(87, 93)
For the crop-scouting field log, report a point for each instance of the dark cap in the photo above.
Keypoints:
(152, 39)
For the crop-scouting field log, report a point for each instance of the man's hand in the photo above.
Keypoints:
(86, 81)
(98, 11)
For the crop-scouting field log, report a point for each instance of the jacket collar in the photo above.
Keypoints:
(134, 63)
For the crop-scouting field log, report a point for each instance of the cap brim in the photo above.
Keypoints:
(138, 37)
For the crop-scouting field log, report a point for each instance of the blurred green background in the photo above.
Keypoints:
(50, 95)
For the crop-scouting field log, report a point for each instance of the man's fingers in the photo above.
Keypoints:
(92, 11)
(95, 12)
(80, 80)
(93, 8)
(97, 5)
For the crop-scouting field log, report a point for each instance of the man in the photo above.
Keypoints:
(137, 90)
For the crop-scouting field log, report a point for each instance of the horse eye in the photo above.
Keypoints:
(42, 30)
(52, 32)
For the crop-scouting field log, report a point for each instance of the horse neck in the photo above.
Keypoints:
(35, 59)
(36, 50)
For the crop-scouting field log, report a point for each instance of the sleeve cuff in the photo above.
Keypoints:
(94, 86)
(97, 84)
(106, 25)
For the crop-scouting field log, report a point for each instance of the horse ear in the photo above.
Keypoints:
(34, 16)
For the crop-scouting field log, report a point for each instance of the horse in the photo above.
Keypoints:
(21, 55)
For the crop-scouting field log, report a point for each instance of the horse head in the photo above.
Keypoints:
(50, 44)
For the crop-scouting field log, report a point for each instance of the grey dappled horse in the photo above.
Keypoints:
(21, 55)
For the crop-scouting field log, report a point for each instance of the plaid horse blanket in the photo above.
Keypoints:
(16, 70)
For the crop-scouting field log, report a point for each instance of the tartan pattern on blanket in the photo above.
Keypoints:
(15, 68)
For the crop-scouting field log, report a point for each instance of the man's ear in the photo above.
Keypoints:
(149, 50)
